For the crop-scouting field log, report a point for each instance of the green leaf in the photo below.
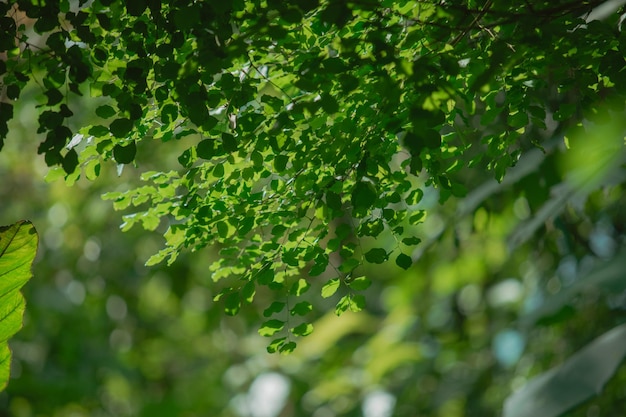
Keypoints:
(404, 261)
(333, 201)
(275, 307)
(417, 217)
(360, 283)
(371, 228)
(105, 111)
(300, 287)
(330, 288)
(415, 197)
(125, 154)
(265, 275)
(248, 291)
(357, 303)
(70, 161)
(18, 247)
(518, 120)
(342, 305)
(271, 327)
(303, 329)
(302, 308)
(411, 241)
(581, 377)
(232, 303)
(364, 196)
(376, 256)
(320, 265)
(222, 229)
(206, 149)
(218, 171)
(229, 143)
(348, 265)
(276, 344)
(120, 128)
(287, 348)
(280, 163)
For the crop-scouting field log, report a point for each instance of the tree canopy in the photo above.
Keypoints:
(308, 148)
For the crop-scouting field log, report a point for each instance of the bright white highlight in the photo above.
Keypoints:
(378, 404)
(268, 395)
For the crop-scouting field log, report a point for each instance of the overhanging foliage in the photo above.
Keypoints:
(315, 127)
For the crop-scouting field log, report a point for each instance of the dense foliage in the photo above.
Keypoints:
(334, 145)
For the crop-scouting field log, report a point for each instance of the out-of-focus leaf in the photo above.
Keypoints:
(18, 246)
(607, 277)
(579, 378)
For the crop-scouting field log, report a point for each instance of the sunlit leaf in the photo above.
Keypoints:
(300, 287)
(330, 288)
(276, 344)
(303, 329)
(342, 305)
(271, 327)
(18, 247)
(360, 283)
(287, 348)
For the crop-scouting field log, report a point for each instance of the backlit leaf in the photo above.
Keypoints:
(360, 283)
(271, 327)
(18, 246)
(330, 288)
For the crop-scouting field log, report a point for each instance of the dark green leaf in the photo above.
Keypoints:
(105, 111)
(376, 255)
(364, 196)
(275, 307)
(248, 291)
(229, 143)
(120, 128)
(302, 308)
(232, 303)
(412, 240)
(303, 329)
(125, 154)
(404, 261)
(280, 162)
(70, 161)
